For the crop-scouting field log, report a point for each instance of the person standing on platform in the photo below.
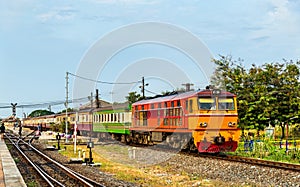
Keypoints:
(2, 130)
(20, 130)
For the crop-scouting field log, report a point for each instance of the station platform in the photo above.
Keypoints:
(10, 176)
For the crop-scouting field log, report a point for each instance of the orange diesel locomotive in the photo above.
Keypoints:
(204, 119)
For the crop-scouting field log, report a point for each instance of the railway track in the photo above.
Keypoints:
(246, 160)
(267, 163)
(251, 161)
(234, 171)
(51, 172)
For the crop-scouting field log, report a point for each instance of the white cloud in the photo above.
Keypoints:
(60, 14)
(283, 18)
(281, 21)
(280, 11)
(142, 2)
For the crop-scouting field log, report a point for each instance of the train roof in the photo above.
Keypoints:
(178, 96)
(114, 106)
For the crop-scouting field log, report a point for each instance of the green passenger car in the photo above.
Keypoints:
(112, 119)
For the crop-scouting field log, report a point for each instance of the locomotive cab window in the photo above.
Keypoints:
(207, 103)
(186, 105)
(226, 104)
(190, 106)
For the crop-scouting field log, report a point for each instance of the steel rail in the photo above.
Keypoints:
(268, 163)
(254, 161)
(51, 178)
(84, 180)
(87, 179)
(67, 170)
(29, 161)
(260, 162)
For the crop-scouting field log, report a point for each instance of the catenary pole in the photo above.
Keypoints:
(66, 104)
(91, 111)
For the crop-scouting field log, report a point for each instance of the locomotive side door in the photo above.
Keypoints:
(185, 111)
(191, 109)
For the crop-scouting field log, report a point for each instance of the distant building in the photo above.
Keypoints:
(88, 104)
(11, 121)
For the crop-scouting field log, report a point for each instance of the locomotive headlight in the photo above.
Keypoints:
(230, 124)
(216, 92)
(203, 124)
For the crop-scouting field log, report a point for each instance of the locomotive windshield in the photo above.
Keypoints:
(225, 104)
(206, 103)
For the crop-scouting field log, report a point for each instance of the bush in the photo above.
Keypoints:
(268, 149)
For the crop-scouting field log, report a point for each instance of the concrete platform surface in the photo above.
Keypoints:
(10, 176)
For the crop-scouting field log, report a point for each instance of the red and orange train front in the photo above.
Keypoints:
(213, 120)
(205, 120)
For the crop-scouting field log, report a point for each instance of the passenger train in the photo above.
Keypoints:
(203, 120)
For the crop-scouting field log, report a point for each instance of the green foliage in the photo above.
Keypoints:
(133, 97)
(64, 111)
(17, 160)
(269, 149)
(59, 127)
(32, 184)
(266, 94)
(38, 113)
(55, 127)
(177, 90)
(62, 126)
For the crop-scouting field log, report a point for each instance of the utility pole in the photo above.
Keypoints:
(91, 111)
(143, 87)
(75, 132)
(91, 101)
(111, 93)
(97, 99)
(90, 143)
(187, 86)
(66, 104)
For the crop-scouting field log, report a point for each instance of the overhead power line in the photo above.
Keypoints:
(52, 103)
(102, 82)
(151, 92)
(5, 106)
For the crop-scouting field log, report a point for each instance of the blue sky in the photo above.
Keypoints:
(41, 40)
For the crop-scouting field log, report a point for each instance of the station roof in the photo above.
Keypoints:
(10, 119)
(87, 105)
(114, 106)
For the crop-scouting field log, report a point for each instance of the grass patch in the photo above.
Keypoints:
(17, 160)
(32, 184)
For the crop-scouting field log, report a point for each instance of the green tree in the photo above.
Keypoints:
(288, 95)
(62, 126)
(230, 75)
(266, 94)
(177, 90)
(56, 127)
(64, 110)
(133, 97)
(38, 113)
